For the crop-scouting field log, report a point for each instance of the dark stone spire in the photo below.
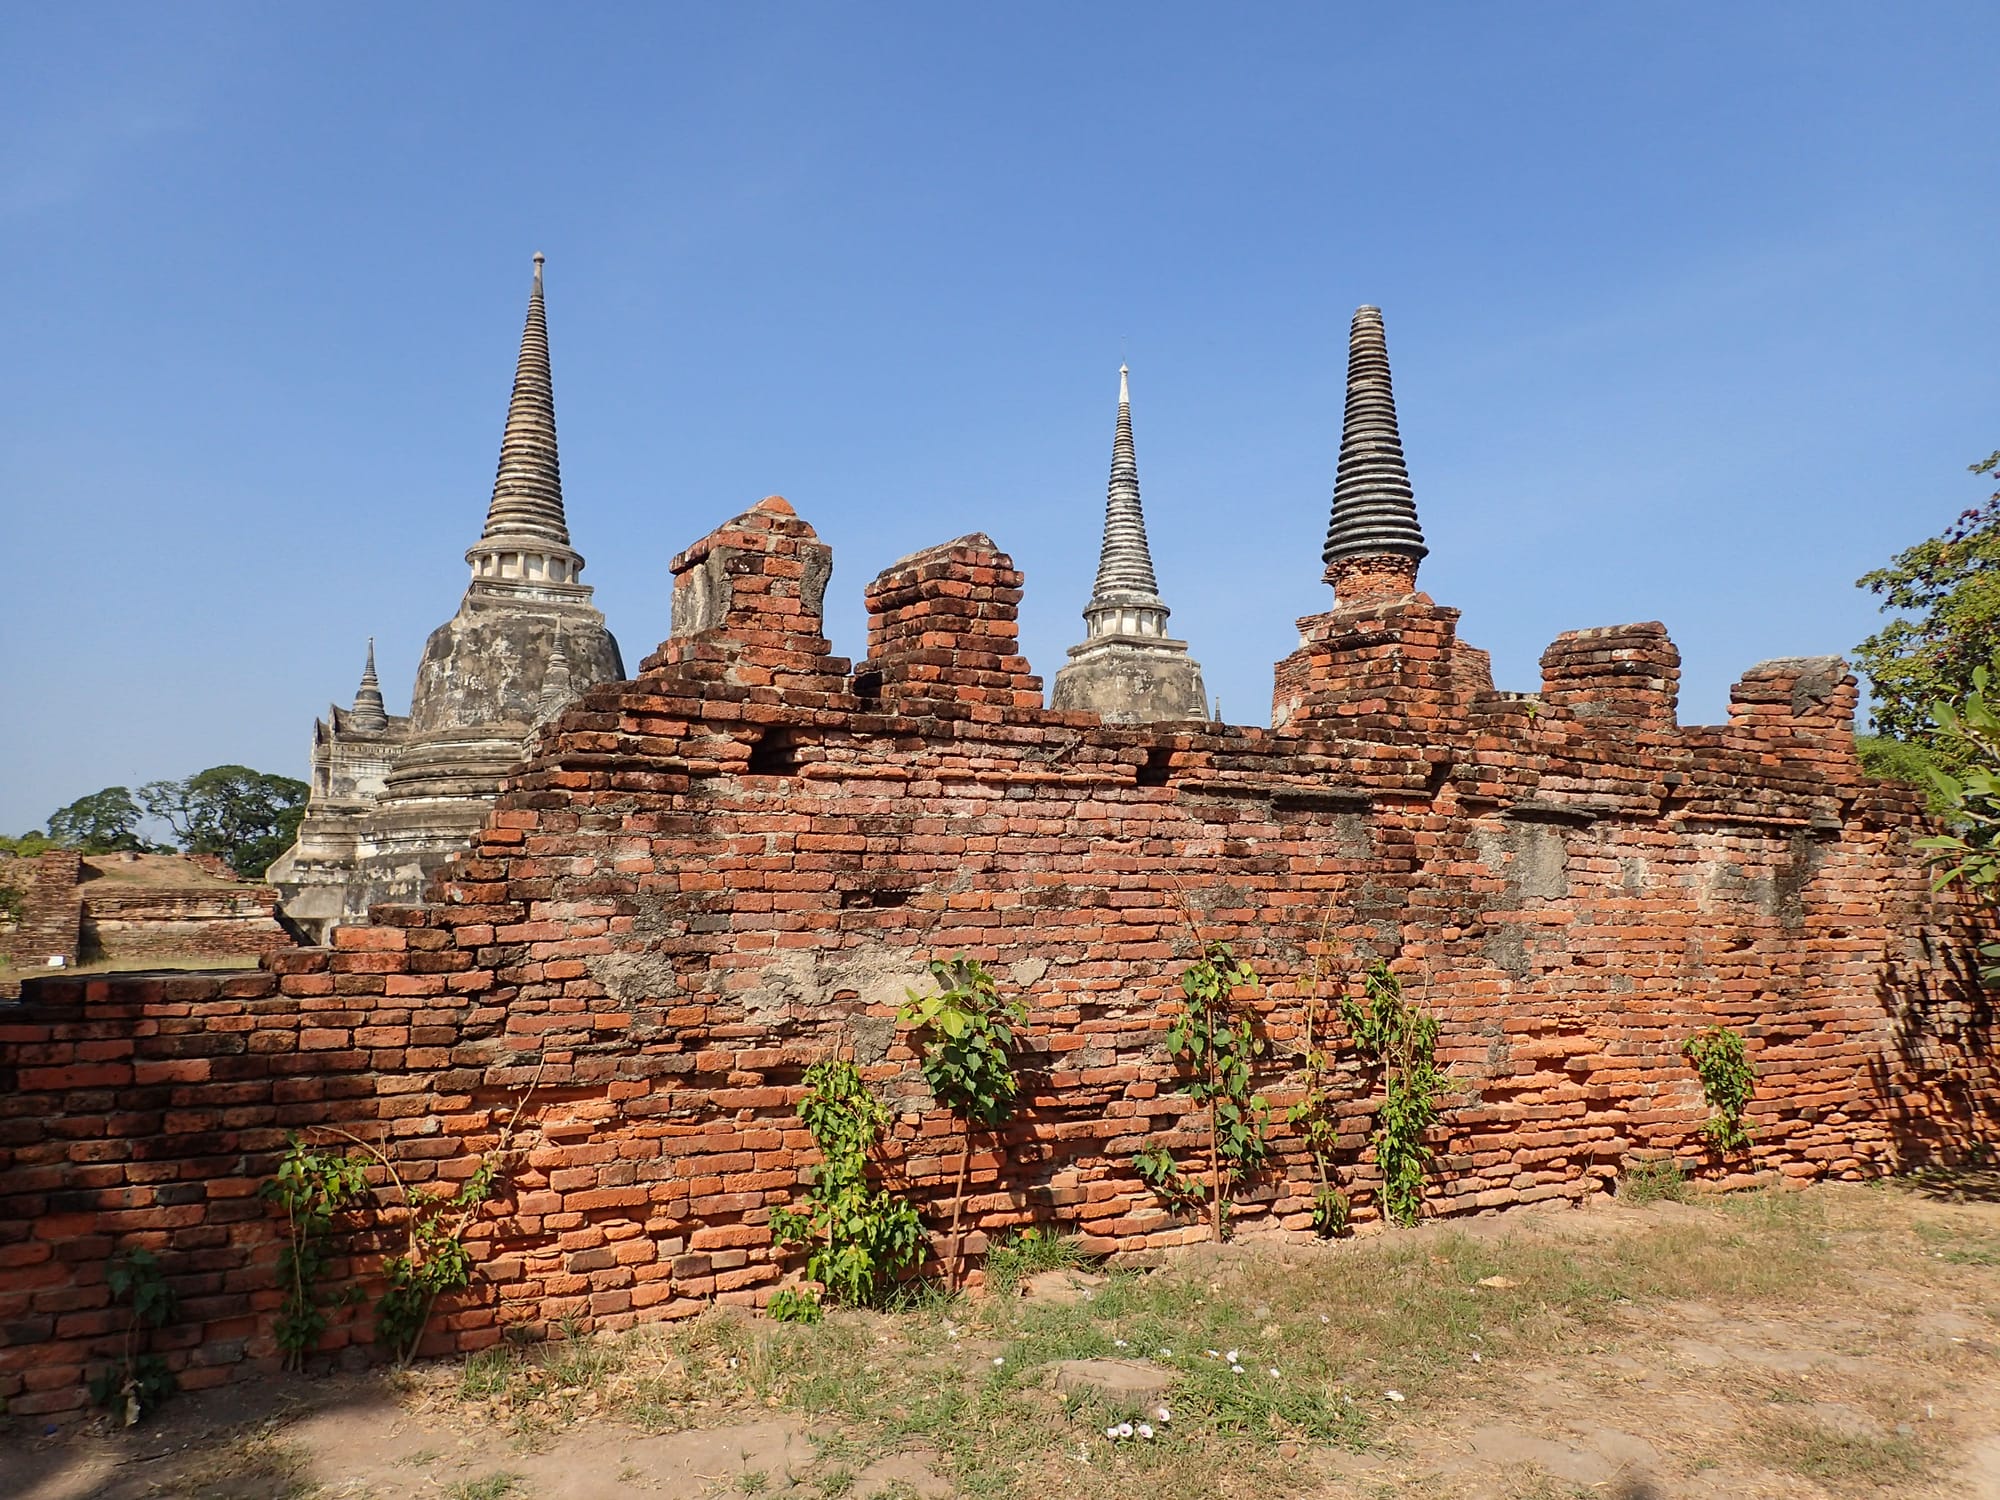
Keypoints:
(527, 491)
(1374, 511)
(1125, 566)
(368, 714)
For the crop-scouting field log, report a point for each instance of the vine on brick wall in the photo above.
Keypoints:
(1399, 1040)
(966, 1035)
(315, 1184)
(1728, 1083)
(859, 1235)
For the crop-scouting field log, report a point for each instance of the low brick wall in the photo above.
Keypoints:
(709, 877)
(205, 922)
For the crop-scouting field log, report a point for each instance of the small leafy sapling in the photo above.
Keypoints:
(1215, 1040)
(1314, 1116)
(140, 1380)
(1728, 1083)
(314, 1186)
(859, 1236)
(1400, 1041)
(966, 1033)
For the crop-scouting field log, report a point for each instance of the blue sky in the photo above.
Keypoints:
(1692, 312)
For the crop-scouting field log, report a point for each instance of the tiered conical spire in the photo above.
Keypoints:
(368, 713)
(1374, 509)
(1125, 566)
(1127, 670)
(527, 492)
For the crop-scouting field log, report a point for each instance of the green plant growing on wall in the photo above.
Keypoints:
(1728, 1082)
(859, 1235)
(433, 1262)
(966, 1031)
(314, 1186)
(1314, 1117)
(1215, 1040)
(1157, 1168)
(140, 1381)
(1399, 1041)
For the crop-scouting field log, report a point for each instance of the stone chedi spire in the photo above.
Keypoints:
(1373, 542)
(368, 715)
(526, 540)
(395, 797)
(1127, 670)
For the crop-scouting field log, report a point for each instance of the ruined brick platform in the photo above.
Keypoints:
(713, 875)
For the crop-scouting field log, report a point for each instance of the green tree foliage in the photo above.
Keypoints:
(101, 823)
(1946, 594)
(247, 817)
(1967, 854)
(27, 845)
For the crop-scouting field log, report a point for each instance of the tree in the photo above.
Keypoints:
(1947, 592)
(247, 817)
(100, 823)
(1967, 854)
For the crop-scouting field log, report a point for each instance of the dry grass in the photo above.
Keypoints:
(1343, 1325)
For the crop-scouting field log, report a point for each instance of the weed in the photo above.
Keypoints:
(753, 1482)
(140, 1380)
(1653, 1180)
(490, 1487)
(1217, 1042)
(966, 1034)
(790, 1305)
(860, 1234)
(1400, 1040)
(1728, 1082)
(314, 1186)
(835, 1483)
(1029, 1253)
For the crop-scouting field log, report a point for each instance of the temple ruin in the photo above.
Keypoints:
(393, 796)
(705, 878)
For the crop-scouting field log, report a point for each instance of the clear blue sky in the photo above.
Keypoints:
(1692, 309)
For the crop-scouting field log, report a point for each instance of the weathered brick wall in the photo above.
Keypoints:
(51, 909)
(713, 875)
(199, 922)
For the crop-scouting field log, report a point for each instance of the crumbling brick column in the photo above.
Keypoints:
(943, 628)
(748, 601)
(1394, 665)
(1624, 674)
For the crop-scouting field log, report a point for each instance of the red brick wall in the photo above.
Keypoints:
(709, 877)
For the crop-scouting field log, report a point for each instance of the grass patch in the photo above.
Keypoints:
(1029, 1253)
(1658, 1180)
(490, 1487)
(1804, 1447)
(1956, 1246)
(1342, 1324)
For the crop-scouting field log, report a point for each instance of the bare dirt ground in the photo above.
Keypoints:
(1838, 1341)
